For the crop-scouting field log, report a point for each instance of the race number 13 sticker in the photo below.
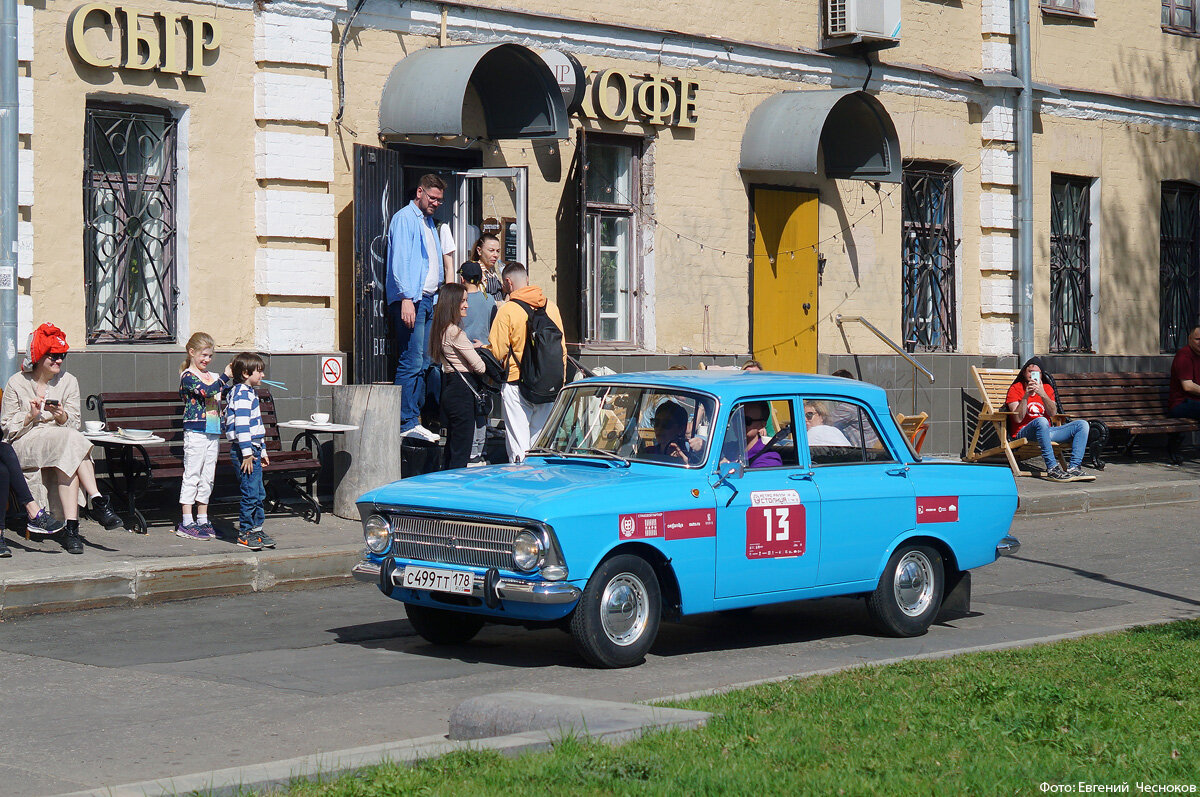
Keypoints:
(775, 525)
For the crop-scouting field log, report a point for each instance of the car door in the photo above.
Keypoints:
(768, 518)
(866, 495)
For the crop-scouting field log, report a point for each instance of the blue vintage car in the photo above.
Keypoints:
(660, 495)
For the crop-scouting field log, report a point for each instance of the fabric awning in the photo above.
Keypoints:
(788, 132)
(425, 92)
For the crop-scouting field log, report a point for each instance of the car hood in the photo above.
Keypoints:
(542, 490)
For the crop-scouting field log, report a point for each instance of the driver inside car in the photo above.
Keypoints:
(670, 438)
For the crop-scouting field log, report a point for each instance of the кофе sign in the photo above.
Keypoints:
(111, 37)
(653, 99)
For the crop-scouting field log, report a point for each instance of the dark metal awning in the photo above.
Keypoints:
(788, 130)
(425, 93)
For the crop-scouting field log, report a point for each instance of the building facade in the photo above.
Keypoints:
(691, 183)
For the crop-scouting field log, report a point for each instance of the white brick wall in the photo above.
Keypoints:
(25, 106)
(998, 167)
(997, 56)
(24, 249)
(996, 17)
(291, 272)
(24, 33)
(996, 211)
(996, 337)
(282, 330)
(996, 296)
(294, 214)
(283, 39)
(999, 124)
(996, 252)
(292, 98)
(291, 156)
(25, 178)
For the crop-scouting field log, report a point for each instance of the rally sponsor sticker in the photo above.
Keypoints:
(681, 524)
(775, 525)
(937, 509)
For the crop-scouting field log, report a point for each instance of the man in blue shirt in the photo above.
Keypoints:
(414, 273)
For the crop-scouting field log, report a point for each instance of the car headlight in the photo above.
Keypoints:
(527, 551)
(377, 533)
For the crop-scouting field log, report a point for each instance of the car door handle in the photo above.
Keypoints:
(801, 477)
(899, 471)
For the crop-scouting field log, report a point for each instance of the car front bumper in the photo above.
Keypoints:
(541, 593)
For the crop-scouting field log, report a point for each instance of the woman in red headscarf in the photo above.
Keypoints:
(40, 417)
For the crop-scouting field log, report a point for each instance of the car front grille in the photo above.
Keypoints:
(452, 542)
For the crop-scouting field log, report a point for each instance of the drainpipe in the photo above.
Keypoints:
(1024, 296)
(8, 188)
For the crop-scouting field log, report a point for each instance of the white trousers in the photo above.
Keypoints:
(523, 421)
(200, 452)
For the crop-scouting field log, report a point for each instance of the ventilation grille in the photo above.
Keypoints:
(835, 13)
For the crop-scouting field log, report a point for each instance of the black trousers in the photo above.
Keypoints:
(11, 478)
(458, 416)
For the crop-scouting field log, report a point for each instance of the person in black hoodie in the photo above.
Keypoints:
(1032, 399)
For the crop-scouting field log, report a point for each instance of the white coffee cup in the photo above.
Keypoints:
(319, 417)
(93, 427)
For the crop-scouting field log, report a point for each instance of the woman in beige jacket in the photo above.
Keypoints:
(40, 417)
(450, 347)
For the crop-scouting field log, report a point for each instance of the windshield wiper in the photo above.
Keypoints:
(540, 450)
(600, 452)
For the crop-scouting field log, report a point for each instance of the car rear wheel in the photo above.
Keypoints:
(909, 593)
(443, 626)
(616, 620)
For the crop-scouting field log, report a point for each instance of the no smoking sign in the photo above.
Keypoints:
(331, 371)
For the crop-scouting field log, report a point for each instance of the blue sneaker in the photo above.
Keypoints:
(45, 523)
(206, 531)
(264, 538)
(188, 531)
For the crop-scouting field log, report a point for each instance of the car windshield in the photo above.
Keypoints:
(643, 424)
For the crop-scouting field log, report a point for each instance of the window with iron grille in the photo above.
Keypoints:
(1179, 15)
(1062, 5)
(1070, 269)
(129, 223)
(1178, 264)
(927, 249)
(610, 188)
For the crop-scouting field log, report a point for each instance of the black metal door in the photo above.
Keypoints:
(378, 193)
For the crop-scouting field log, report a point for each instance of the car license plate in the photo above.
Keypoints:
(435, 580)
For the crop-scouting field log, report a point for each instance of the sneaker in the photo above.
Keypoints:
(477, 462)
(1076, 474)
(188, 531)
(250, 540)
(206, 531)
(421, 433)
(70, 539)
(45, 523)
(1057, 474)
(4, 552)
(102, 512)
(264, 538)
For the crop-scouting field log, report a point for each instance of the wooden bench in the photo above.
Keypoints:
(1130, 404)
(993, 385)
(135, 469)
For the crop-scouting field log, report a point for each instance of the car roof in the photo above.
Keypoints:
(727, 384)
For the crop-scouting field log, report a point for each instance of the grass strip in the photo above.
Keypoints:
(1112, 709)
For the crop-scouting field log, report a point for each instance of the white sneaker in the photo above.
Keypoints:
(421, 433)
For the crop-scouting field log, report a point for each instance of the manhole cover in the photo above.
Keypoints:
(1054, 601)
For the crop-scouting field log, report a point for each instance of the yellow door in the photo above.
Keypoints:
(783, 281)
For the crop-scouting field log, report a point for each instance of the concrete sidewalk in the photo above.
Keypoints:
(123, 569)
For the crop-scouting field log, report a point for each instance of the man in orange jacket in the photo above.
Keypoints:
(523, 421)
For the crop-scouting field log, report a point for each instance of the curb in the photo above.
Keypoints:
(606, 721)
(130, 583)
(1082, 499)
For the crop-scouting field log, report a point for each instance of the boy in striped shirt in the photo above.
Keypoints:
(244, 427)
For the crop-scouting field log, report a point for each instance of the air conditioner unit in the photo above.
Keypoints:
(864, 20)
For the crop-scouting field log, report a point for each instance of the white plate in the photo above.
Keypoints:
(135, 434)
(314, 423)
(437, 580)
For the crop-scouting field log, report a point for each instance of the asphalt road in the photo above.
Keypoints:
(121, 695)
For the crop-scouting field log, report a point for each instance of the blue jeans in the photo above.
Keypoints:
(1044, 434)
(250, 508)
(412, 345)
(1188, 408)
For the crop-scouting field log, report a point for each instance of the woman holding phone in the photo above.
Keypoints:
(40, 418)
(1032, 402)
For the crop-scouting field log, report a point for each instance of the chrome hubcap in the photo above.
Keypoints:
(913, 585)
(624, 609)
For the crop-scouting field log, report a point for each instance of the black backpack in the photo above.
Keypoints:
(542, 360)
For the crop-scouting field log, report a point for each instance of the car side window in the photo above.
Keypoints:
(761, 434)
(841, 433)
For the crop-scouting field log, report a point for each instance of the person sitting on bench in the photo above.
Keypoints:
(1032, 400)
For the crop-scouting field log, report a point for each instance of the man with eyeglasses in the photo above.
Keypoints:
(413, 275)
(670, 436)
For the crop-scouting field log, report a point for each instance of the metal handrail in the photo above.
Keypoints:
(839, 319)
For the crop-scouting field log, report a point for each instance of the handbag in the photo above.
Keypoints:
(483, 399)
(495, 373)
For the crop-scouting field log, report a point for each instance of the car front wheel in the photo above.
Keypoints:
(909, 593)
(443, 626)
(616, 620)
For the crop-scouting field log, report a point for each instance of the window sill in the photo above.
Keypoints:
(1187, 34)
(586, 349)
(1064, 14)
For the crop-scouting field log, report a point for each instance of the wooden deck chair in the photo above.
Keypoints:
(993, 384)
(915, 427)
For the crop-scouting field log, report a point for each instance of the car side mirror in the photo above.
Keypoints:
(728, 471)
